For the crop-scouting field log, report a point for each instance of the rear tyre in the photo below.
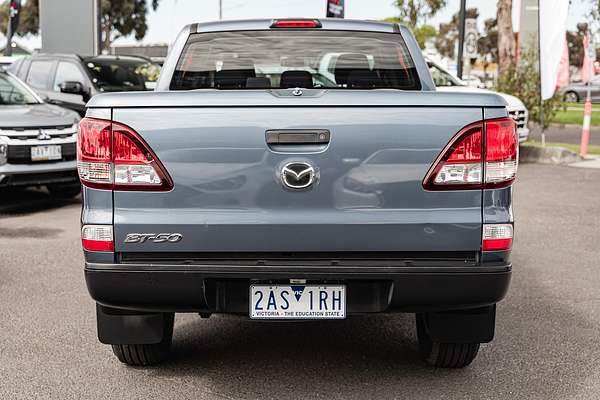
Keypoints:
(145, 355)
(444, 355)
(571, 97)
(63, 191)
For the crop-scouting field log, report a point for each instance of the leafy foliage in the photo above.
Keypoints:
(422, 33)
(448, 33)
(575, 44)
(416, 12)
(487, 45)
(28, 20)
(523, 81)
(123, 17)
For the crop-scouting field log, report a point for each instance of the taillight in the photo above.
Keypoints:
(97, 238)
(497, 237)
(501, 152)
(481, 155)
(296, 23)
(111, 155)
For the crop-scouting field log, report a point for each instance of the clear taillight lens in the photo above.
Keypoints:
(474, 160)
(97, 238)
(497, 237)
(113, 156)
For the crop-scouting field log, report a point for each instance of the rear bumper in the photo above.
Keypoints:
(222, 289)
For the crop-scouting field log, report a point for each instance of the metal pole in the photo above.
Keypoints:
(587, 112)
(540, 73)
(220, 10)
(461, 37)
(8, 48)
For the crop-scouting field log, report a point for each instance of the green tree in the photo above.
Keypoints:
(487, 44)
(117, 18)
(448, 33)
(575, 44)
(123, 17)
(523, 81)
(416, 12)
(28, 20)
(422, 33)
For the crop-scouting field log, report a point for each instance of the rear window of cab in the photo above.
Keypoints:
(281, 59)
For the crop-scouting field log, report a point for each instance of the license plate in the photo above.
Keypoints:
(297, 301)
(45, 153)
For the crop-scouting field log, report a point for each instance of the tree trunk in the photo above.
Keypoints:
(107, 30)
(506, 36)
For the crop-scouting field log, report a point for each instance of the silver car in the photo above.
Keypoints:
(577, 91)
(37, 141)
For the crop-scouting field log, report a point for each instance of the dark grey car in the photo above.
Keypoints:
(37, 140)
(70, 80)
(577, 91)
(249, 183)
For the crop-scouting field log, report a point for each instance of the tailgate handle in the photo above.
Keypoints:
(297, 136)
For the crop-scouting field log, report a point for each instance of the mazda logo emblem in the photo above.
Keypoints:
(298, 175)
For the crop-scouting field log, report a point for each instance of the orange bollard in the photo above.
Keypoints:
(585, 132)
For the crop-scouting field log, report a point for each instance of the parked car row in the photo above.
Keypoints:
(71, 81)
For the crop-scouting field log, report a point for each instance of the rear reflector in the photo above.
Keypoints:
(111, 155)
(472, 160)
(497, 237)
(296, 23)
(97, 238)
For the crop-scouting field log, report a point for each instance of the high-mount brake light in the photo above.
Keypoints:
(111, 155)
(296, 23)
(481, 155)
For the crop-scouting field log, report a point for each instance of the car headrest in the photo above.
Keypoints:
(233, 78)
(292, 79)
(258, 83)
(363, 79)
(347, 63)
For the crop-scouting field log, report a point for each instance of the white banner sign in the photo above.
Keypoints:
(553, 27)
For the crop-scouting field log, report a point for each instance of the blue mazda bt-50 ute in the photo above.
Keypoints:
(297, 169)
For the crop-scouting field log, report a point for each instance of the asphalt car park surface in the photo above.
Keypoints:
(546, 346)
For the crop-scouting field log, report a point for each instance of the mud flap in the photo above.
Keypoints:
(118, 327)
(462, 326)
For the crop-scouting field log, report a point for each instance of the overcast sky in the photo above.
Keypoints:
(172, 15)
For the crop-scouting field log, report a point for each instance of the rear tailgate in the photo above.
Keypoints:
(228, 195)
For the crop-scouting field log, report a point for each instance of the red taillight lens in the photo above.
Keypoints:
(94, 140)
(126, 150)
(296, 23)
(501, 152)
(460, 165)
(113, 156)
(468, 148)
